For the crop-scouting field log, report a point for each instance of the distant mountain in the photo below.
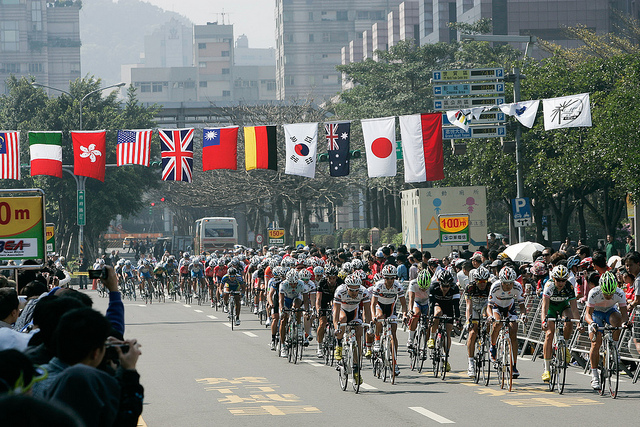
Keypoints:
(112, 34)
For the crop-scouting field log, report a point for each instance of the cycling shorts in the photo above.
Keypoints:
(602, 317)
(556, 310)
(388, 310)
(288, 302)
(424, 308)
(351, 316)
(197, 274)
(145, 275)
(184, 275)
(447, 310)
(506, 312)
(228, 287)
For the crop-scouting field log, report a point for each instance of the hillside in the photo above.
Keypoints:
(113, 34)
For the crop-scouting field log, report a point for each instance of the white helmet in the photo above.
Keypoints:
(304, 275)
(507, 275)
(353, 280)
(389, 270)
(292, 276)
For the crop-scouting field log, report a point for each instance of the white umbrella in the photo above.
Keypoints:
(523, 252)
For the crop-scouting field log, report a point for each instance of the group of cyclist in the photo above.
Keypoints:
(361, 292)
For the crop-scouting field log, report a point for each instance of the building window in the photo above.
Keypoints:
(36, 16)
(237, 83)
(326, 37)
(225, 53)
(10, 68)
(289, 81)
(202, 64)
(342, 15)
(202, 45)
(288, 38)
(36, 68)
(189, 85)
(312, 80)
(325, 55)
(311, 38)
(145, 87)
(156, 87)
(203, 83)
(310, 16)
(75, 67)
(225, 71)
(271, 86)
(226, 93)
(9, 36)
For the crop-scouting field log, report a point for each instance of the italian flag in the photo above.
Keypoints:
(46, 153)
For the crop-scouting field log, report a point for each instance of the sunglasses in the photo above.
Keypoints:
(546, 254)
(560, 280)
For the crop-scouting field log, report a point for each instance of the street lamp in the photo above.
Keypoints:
(80, 180)
(505, 38)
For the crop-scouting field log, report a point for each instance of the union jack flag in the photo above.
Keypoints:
(332, 136)
(177, 154)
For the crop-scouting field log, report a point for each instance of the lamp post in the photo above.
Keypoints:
(517, 77)
(80, 180)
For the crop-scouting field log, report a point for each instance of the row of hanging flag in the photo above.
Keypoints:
(421, 136)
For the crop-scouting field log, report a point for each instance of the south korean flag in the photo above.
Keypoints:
(302, 146)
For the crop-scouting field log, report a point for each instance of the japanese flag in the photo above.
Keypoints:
(379, 141)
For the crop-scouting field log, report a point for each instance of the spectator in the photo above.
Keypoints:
(612, 247)
(17, 373)
(632, 262)
(567, 247)
(83, 266)
(415, 267)
(630, 245)
(403, 267)
(10, 339)
(492, 243)
(599, 261)
(21, 410)
(583, 251)
(32, 291)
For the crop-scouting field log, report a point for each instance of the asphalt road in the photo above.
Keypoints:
(198, 372)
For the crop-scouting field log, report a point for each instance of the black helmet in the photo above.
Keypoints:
(445, 278)
(232, 271)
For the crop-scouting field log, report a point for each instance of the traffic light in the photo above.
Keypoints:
(152, 204)
(162, 199)
(355, 154)
(151, 208)
(323, 157)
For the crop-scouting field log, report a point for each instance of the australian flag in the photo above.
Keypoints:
(338, 141)
(177, 154)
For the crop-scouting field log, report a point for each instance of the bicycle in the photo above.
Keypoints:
(148, 292)
(262, 311)
(158, 288)
(187, 292)
(558, 365)
(419, 352)
(231, 308)
(203, 292)
(173, 289)
(329, 339)
(350, 364)
(385, 361)
(293, 339)
(481, 353)
(440, 352)
(130, 289)
(505, 357)
(609, 361)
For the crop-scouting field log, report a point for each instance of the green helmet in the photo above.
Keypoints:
(608, 283)
(424, 279)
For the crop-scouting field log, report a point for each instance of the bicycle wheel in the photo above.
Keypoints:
(436, 358)
(231, 310)
(356, 362)
(553, 369)
(500, 365)
(421, 349)
(386, 358)
(509, 361)
(445, 353)
(561, 367)
(343, 376)
(393, 362)
(614, 370)
(479, 359)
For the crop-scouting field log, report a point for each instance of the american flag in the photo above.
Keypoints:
(9, 155)
(332, 136)
(177, 154)
(133, 147)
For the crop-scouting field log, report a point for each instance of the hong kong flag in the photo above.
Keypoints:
(89, 153)
(379, 141)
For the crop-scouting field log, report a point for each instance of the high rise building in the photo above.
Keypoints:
(309, 38)
(42, 39)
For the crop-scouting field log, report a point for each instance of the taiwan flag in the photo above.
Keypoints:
(338, 140)
(89, 153)
(379, 141)
(220, 148)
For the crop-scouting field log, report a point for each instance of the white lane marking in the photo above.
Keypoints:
(228, 325)
(198, 311)
(435, 417)
(142, 305)
(313, 363)
(364, 385)
(188, 306)
(458, 343)
(212, 317)
(250, 334)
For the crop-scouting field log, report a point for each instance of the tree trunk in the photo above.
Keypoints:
(374, 208)
(538, 212)
(304, 220)
(581, 221)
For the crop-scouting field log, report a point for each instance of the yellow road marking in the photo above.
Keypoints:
(141, 422)
(566, 402)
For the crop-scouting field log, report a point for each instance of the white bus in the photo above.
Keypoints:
(215, 233)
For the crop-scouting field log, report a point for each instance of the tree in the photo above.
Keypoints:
(26, 108)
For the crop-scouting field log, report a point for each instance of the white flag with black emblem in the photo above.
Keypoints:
(567, 112)
(302, 146)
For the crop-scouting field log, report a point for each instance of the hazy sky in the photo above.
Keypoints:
(251, 17)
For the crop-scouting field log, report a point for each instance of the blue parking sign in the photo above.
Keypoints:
(521, 208)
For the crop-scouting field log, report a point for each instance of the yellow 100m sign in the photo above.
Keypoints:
(454, 229)
(21, 228)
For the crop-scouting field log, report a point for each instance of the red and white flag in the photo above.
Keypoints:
(46, 153)
(422, 147)
(9, 155)
(379, 141)
(89, 153)
(133, 147)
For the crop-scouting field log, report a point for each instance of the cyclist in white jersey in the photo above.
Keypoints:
(601, 309)
(503, 296)
(291, 293)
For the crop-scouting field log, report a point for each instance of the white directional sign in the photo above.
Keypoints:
(463, 75)
(460, 103)
(483, 88)
(521, 212)
(474, 132)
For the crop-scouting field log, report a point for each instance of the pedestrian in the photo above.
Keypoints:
(612, 247)
(83, 265)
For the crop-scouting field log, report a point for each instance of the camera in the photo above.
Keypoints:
(97, 274)
(112, 354)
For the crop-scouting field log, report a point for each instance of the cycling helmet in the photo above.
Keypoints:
(608, 283)
(332, 270)
(347, 268)
(362, 274)
(292, 276)
(353, 280)
(433, 262)
(127, 263)
(503, 257)
(304, 275)
(507, 275)
(389, 271)
(573, 261)
(318, 271)
(424, 279)
(444, 278)
(356, 264)
(586, 262)
(560, 272)
(538, 268)
(186, 255)
(101, 262)
(480, 273)
(232, 271)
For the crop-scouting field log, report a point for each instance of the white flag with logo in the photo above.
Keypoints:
(567, 111)
(524, 111)
(379, 142)
(302, 146)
